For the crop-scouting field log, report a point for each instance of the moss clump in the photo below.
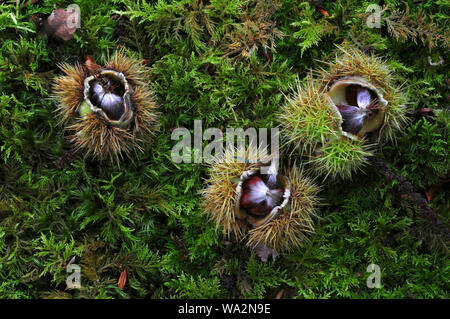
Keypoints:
(146, 216)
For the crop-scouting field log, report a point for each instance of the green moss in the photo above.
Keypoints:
(145, 216)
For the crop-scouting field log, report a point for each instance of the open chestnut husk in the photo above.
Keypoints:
(274, 210)
(338, 116)
(109, 109)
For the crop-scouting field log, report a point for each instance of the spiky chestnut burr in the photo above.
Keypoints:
(270, 209)
(109, 109)
(311, 124)
(330, 117)
(353, 70)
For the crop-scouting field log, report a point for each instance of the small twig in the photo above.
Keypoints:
(421, 112)
(408, 192)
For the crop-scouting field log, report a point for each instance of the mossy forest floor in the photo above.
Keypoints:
(228, 63)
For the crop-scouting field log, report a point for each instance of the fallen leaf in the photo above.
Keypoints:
(325, 13)
(62, 23)
(280, 294)
(122, 279)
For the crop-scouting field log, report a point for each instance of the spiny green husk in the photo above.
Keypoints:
(351, 61)
(341, 157)
(306, 119)
(311, 124)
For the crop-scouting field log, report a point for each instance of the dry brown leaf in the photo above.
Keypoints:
(280, 294)
(122, 279)
(62, 23)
